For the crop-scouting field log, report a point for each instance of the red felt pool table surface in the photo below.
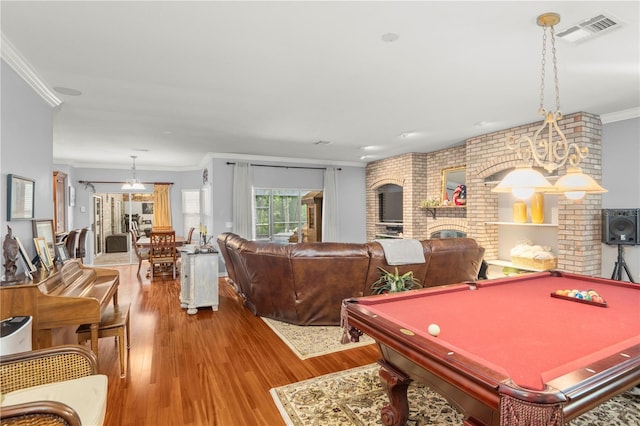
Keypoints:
(512, 326)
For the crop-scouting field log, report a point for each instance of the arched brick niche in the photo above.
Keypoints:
(579, 247)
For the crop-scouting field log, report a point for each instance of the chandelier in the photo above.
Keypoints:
(133, 183)
(548, 152)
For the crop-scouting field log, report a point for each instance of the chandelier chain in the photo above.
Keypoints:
(555, 67)
(544, 65)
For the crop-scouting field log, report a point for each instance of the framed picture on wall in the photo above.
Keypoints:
(20, 197)
(147, 208)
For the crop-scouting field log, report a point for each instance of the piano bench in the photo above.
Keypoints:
(113, 323)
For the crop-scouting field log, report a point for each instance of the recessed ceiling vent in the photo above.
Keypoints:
(588, 29)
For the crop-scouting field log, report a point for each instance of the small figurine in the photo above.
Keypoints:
(10, 251)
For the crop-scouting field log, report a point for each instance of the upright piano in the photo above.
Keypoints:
(73, 294)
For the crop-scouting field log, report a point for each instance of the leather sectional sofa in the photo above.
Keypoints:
(305, 283)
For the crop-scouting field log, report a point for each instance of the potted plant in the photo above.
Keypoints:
(392, 282)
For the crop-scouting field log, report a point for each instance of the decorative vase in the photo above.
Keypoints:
(519, 212)
(537, 208)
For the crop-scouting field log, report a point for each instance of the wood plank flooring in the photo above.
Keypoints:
(212, 368)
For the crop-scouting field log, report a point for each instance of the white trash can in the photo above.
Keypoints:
(15, 335)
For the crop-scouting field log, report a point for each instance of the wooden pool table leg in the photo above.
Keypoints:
(395, 383)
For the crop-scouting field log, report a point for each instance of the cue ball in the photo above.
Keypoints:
(434, 329)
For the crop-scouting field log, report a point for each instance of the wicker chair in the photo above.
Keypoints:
(40, 367)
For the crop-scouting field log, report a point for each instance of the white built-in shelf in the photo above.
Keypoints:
(388, 236)
(508, 264)
(389, 223)
(522, 224)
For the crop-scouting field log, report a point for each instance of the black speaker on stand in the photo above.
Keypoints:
(620, 227)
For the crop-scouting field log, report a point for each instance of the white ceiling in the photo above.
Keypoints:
(174, 81)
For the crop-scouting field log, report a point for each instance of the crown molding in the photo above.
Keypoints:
(268, 159)
(23, 68)
(620, 115)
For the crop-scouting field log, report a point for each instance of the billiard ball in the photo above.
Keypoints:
(434, 330)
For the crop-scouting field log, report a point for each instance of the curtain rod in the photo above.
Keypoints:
(285, 167)
(88, 183)
(123, 182)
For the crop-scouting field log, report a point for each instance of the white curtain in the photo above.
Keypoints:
(242, 200)
(330, 205)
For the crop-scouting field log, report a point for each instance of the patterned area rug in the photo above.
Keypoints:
(312, 340)
(355, 397)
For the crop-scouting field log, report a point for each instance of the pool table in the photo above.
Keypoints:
(508, 352)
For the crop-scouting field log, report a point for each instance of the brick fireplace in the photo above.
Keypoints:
(485, 157)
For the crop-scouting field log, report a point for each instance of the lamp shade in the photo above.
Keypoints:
(133, 184)
(576, 184)
(523, 182)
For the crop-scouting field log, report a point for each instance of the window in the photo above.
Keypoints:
(190, 209)
(279, 213)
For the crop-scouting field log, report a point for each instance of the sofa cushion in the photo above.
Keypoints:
(86, 395)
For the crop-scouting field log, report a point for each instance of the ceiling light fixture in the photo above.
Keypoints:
(133, 183)
(548, 153)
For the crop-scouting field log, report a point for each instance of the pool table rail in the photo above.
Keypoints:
(476, 389)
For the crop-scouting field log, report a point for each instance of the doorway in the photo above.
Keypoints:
(120, 212)
(97, 222)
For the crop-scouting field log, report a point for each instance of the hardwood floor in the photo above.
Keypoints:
(212, 368)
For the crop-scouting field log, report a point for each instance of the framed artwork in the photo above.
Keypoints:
(43, 253)
(20, 197)
(147, 208)
(44, 228)
(29, 267)
(61, 252)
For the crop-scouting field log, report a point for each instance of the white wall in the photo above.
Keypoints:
(26, 150)
(621, 176)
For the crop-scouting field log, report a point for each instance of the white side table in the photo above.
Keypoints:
(199, 281)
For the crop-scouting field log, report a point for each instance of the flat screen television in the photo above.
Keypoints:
(390, 204)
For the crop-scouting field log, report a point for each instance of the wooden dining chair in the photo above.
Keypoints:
(70, 242)
(81, 250)
(190, 235)
(162, 252)
(141, 254)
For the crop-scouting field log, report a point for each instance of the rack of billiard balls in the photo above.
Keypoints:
(590, 297)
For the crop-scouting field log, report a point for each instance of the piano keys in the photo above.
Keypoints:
(73, 294)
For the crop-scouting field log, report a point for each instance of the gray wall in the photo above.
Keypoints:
(621, 176)
(26, 150)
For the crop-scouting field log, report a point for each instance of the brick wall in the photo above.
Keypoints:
(485, 156)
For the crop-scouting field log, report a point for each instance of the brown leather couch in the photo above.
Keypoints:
(305, 283)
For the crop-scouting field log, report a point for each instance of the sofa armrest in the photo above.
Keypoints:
(42, 366)
(39, 413)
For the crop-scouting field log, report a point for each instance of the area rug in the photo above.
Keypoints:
(355, 397)
(312, 340)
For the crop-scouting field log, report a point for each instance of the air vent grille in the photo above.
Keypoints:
(589, 28)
